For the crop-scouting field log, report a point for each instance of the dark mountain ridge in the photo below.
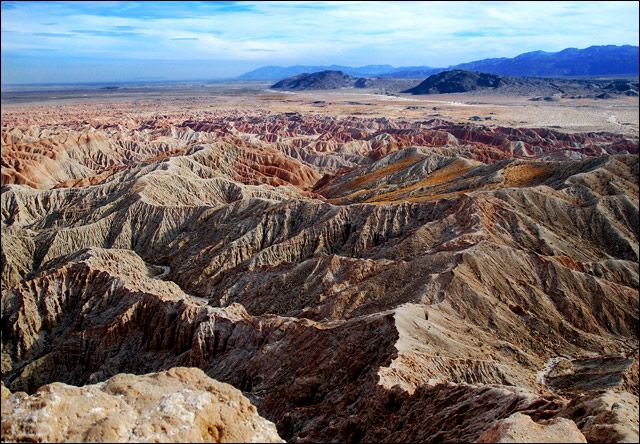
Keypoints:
(457, 81)
(316, 80)
(338, 79)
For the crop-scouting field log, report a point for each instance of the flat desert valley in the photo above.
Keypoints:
(348, 265)
(617, 115)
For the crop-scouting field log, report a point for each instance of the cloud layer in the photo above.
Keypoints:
(108, 41)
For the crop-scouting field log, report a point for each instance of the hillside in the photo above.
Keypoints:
(317, 80)
(458, 81)
(327, 80)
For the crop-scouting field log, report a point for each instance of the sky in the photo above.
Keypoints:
(76, 42)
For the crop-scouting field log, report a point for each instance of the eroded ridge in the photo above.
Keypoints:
(357, 278)
(86, 146)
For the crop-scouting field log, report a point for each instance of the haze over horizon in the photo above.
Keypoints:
(76, 42)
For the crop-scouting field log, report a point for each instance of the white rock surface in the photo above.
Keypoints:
(179, 405)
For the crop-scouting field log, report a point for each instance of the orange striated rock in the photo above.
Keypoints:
(75, 147)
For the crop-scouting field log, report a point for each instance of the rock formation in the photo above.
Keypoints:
(521, 428)
(316, 80)
(457, 81)
(357, 279)
(179, 405)
(328, 80)
(260, 148)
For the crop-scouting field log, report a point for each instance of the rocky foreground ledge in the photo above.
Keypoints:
(179, 405)
(185, 405)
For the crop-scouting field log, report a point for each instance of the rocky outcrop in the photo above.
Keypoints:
(521, 428)
(329, 80)
(605, 416)
(179, 405)
(316, 80)
(457, 81)
(605, 395)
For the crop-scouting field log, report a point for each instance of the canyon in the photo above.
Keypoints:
(362, 267)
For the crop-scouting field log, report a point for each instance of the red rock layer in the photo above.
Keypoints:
(75, 148)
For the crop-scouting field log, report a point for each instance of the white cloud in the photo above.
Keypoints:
(350, 33)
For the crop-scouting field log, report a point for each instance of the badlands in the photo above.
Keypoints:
(201, 262)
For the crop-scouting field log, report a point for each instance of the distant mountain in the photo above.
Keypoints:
(412, 72)
(317, 80)
(592, 61)
(339, 79)
(456, 81)
(278, 72)
(571, 62)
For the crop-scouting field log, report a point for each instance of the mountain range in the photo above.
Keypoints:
(279, 72)
(571, 62)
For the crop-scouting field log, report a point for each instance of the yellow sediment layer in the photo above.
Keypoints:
(444, 175)
(366, 179)
(523, 175)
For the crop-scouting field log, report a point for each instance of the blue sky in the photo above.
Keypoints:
(64, 42)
